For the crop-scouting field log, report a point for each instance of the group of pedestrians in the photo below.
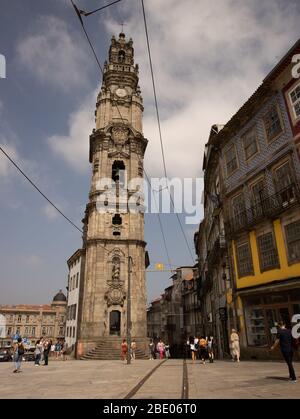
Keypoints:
(124, 349)
(159, 350)
(201, 348)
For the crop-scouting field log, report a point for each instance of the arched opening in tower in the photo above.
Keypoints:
(117, 220)
(118, 172)
(121, 57)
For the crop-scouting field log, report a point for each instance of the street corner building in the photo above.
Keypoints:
(113, 234)
(31, 322)
(248, 244)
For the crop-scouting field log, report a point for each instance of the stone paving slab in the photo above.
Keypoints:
(165, 383)
(244, 380)
(114, 379)
(72, 379)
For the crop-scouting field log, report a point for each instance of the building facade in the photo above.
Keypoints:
(31, 322)
(113, 240)
(76, 271)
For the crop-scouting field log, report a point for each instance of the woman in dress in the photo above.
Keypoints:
(124, 349)
(235, 345)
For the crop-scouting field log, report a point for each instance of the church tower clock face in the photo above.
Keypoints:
(114, 235)
(121, 92)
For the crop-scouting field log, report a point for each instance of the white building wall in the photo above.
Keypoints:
(73, 298)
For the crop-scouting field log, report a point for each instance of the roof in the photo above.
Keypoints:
(26, 307)
(245, 113)
(75, 256)
(60, 296)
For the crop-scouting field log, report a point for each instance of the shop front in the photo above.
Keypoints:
(262, 311)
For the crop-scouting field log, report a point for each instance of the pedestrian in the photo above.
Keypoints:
(133, 349)
(42, 342)
(210, 349)
(124, 349)
(57, 349)
(235, 345)
(161, 349)
(37, 353)
(285, 339)
(19, 351)
(192, 348)
(64, 350)
(52, 350)
(203, 349)
(151, 350)
(167, 351)
(47, 348)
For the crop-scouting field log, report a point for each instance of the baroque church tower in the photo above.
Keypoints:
(112, 232)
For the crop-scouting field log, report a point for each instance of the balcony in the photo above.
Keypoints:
(269, 207)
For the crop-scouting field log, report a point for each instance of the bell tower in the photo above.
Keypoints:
(114, 220)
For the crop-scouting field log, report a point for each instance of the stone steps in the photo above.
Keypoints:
(110, 349)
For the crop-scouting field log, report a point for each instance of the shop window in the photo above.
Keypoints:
(292, 233)
(272, 124)
(268, 255)
(255, 323)
(244, 259)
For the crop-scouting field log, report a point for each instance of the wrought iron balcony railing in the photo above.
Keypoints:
(269, 207)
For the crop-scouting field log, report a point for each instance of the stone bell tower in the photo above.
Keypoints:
(114, 221)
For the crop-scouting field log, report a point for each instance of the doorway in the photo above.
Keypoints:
(115, 323)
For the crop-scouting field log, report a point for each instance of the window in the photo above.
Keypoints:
(272, 124)
(121, 57)
(295, 100)
(77, 280)
(33, 331)
(239, 210)
(61, 331)
(43, 330)
(96, 166)
(118, 169)
(292, 233)
(284, 183)
(244, 259)
(9, 331)
(231, 160)
(117, 220)
(26, 330)
(258, 194)
(27, 319)
(268, 252)
(19, 318)
(73, 332)
(250, 143)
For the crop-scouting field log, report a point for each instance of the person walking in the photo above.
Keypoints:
(192, 348)
(57, 349)
(19, 351)
(235, 345)
(133, 349)
(167, 351)
(37, 353)
(151, 350)
(64, 350)
(161, 349)
(124, 349)
(52, 350)
(203, 349)
(47, 348)
(210, 349)
(284, 338)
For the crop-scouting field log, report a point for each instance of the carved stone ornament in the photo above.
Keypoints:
(115, 296)
(119, 135)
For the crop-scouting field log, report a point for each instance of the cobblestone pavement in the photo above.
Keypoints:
(115, 379)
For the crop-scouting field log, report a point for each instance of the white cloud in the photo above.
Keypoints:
(74, 146)
(54, 54)
(50, 212)
(208, 58)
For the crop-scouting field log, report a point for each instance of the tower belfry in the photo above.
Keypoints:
(113, 232)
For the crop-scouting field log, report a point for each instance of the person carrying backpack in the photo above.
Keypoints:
(19, 351)
(203, 349)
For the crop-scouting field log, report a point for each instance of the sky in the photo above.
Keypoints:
(208, 58)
